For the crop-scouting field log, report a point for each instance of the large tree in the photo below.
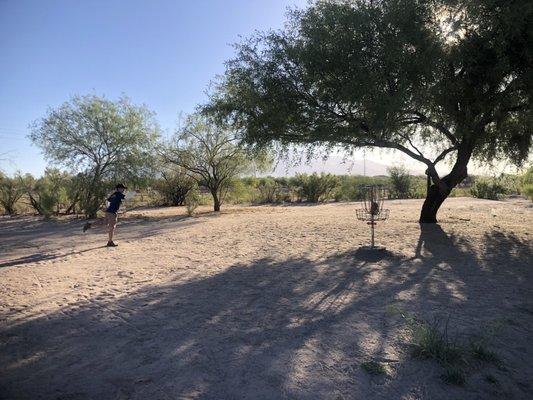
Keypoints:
(211, 154)
(101, 139)
(435, 79)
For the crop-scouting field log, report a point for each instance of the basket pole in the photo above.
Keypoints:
(372, 228)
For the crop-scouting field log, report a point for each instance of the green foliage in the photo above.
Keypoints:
(11, 190)
(527, 190)
(269, 190)
(527, 183)
(192, 200)
(212, 156)
(435, 80)
(173, 186)
(431, 341)
(350, 187)
(400, 187)
(374, 367)
(48, 194)
(273, 190)
(315, 188)
(494, 188)
(480, 351)
(103, 140)
(454, 375)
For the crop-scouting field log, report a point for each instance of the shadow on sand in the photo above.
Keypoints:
(271, 329)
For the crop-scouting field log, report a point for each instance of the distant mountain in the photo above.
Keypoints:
(333, 165)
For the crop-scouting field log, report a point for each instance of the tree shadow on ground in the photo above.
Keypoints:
(295, 328)
(52, 238)
(38, 257)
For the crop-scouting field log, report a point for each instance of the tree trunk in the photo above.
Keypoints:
(434, 200)
(438, 193)
(216, 202)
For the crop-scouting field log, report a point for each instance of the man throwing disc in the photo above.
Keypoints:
(110, 219)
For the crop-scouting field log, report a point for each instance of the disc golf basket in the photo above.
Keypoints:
(373, 211)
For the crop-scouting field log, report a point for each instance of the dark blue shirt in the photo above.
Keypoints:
(114, 202)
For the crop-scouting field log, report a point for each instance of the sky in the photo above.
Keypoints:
(161, 53)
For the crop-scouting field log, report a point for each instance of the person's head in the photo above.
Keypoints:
(120, 187)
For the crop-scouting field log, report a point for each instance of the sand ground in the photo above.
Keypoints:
(267, 302)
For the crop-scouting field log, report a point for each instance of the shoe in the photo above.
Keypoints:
(86, 226)
(111, 244)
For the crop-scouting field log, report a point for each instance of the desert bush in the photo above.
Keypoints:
(192, 200)
(373, 367)
(11, 190)
(268, 190)
(173, 187)
(48, 194)
(526, 183)
(349, 188)
(488, 188)
(400, 182)
(315, 188)
(527, 190)
(241, 191)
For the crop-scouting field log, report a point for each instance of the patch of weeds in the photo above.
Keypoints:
(494, 327)
(491, 379)
(480, 351)
(430, 341)
(454, 375)
(374, 367)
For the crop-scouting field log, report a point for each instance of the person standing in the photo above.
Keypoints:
(111, 214)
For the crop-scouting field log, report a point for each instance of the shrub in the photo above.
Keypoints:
(48, 194)
(526, 184)
(192, 201)
(527, 190)
(11, 190)
(268, 190)
(240, 191)
(173, 187)
(373, 367)
(315, 188)
(488, 188)
(400, 182)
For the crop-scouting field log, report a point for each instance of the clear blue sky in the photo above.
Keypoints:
(162, 53)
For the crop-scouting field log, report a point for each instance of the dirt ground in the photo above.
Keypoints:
(270, 302)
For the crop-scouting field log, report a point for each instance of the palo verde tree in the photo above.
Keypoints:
(101, 139)
(435, 79)
(211, 155)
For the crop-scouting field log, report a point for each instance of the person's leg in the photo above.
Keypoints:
(111, 225)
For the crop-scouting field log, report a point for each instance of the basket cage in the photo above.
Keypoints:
(374, 196)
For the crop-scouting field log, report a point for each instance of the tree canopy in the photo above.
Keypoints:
(100, 138)
(211, 154)
(434, 79)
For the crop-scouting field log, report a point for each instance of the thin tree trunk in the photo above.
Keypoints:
(216, 200)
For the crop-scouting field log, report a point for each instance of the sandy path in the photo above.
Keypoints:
(262, 303)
